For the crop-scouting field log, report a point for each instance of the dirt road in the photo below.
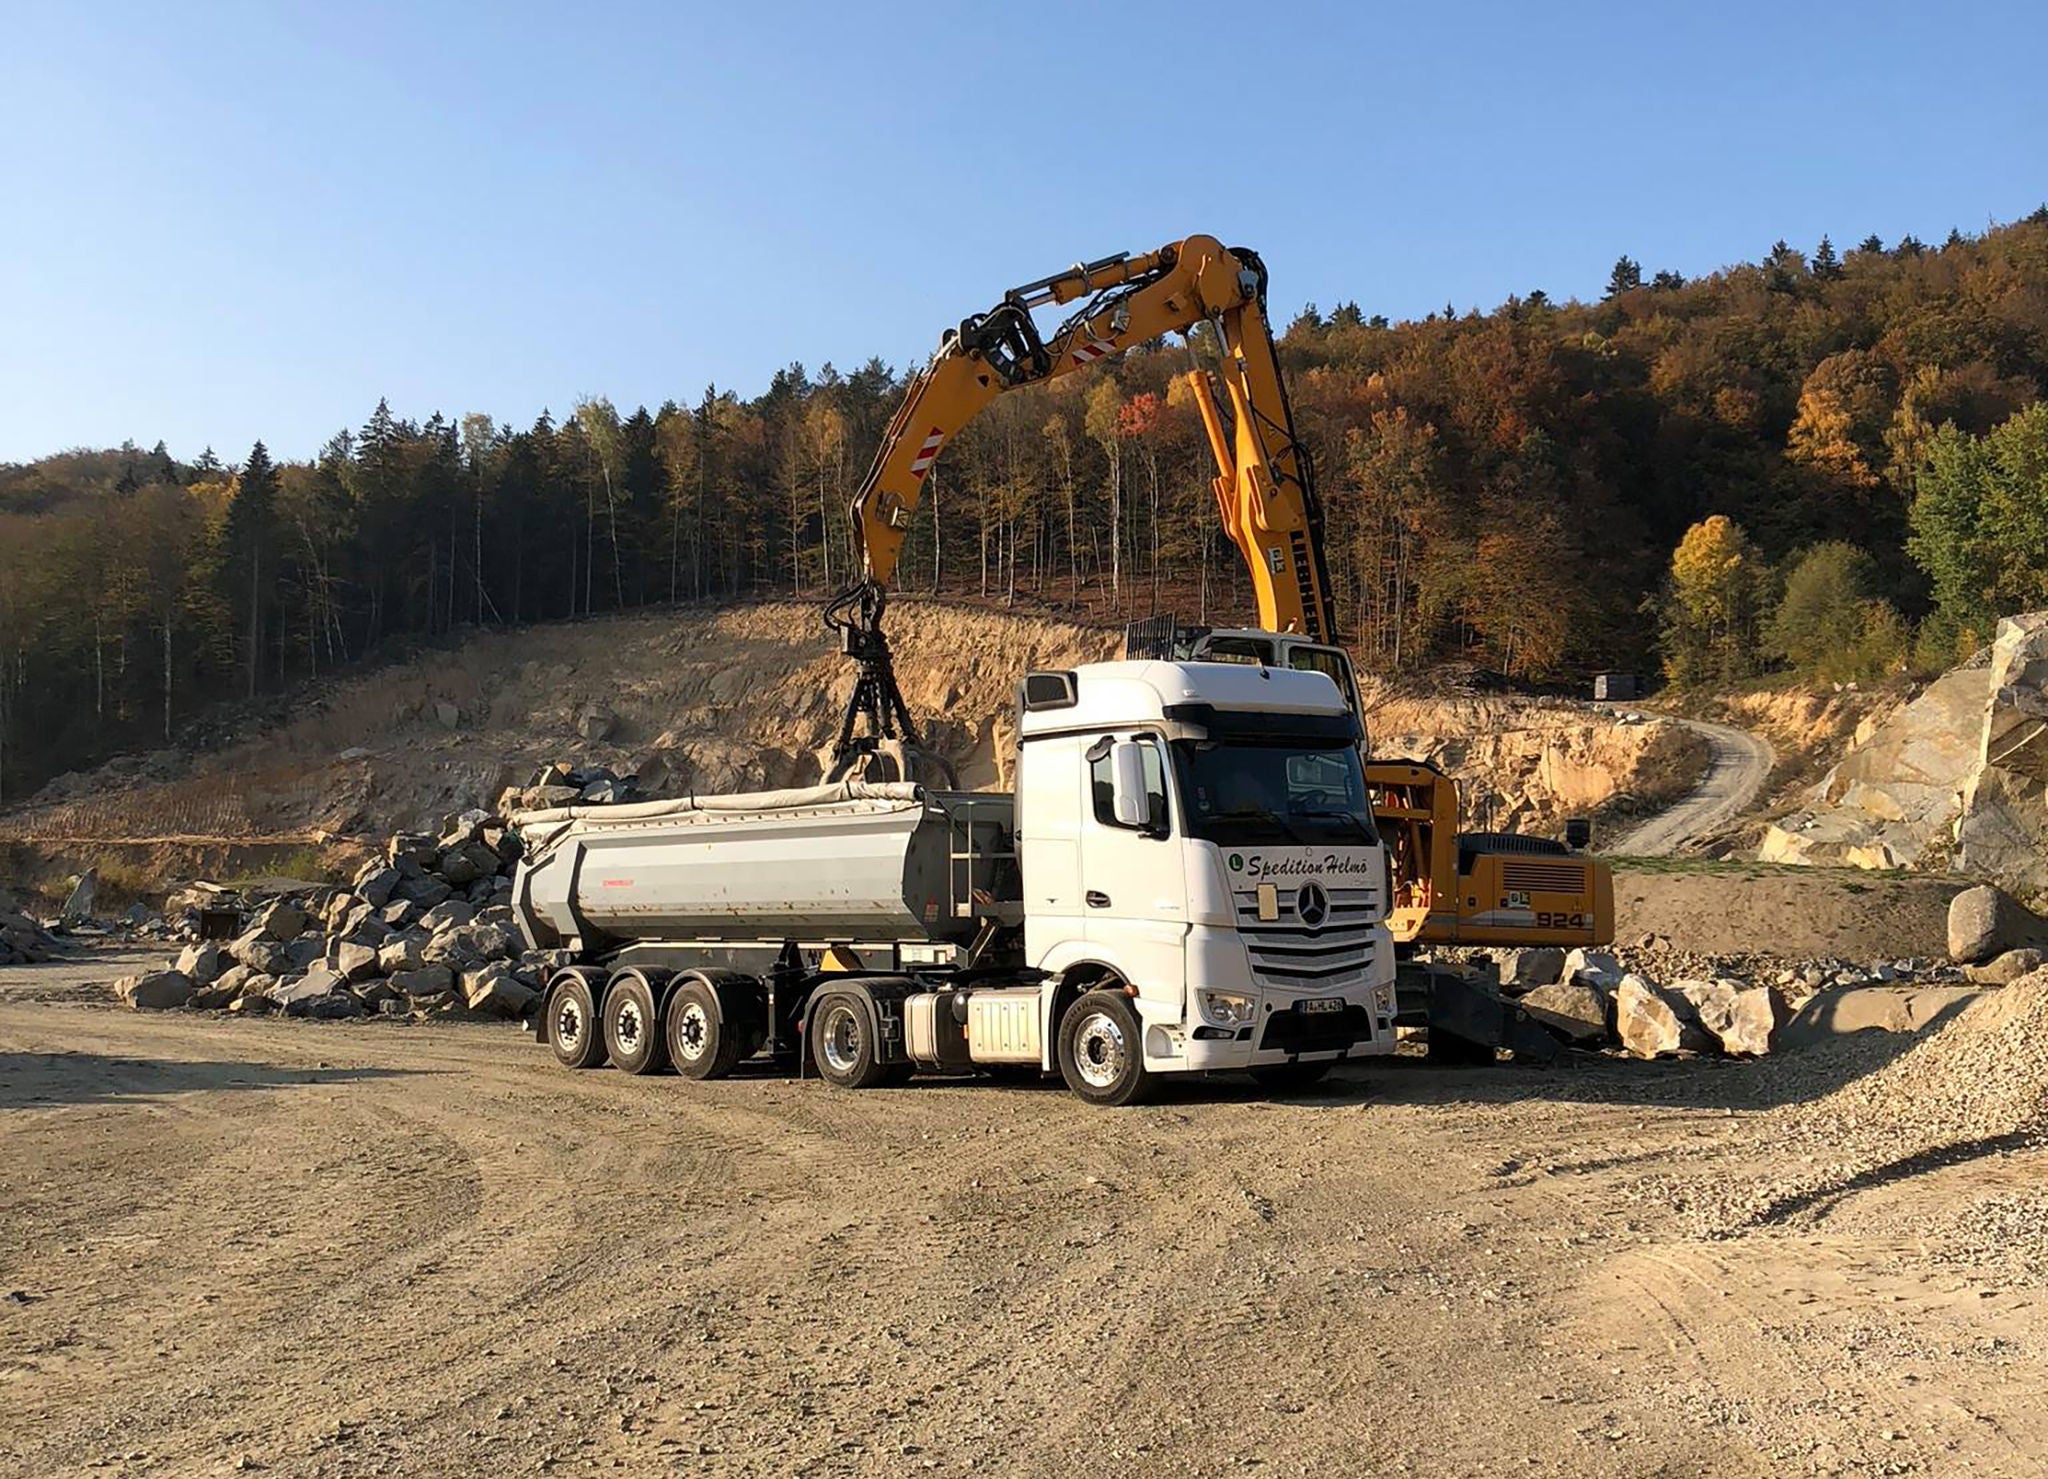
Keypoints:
(329, 1249)
(1738, 764)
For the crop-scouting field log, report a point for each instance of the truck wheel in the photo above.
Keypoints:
(632, 1028)
(573, 1033)
(701, 1043)
(1101, 1054)
(1285, 1078)
(843, 1046)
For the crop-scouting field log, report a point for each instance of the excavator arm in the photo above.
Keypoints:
(1267, 494)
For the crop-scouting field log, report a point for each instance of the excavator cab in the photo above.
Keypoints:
(1447, 887)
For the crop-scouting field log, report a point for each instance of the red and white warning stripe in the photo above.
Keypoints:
(1093, 350)
(928, 453)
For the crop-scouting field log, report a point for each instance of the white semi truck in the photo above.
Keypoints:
(1186, 879)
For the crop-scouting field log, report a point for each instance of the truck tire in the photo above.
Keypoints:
(1101, 1051)
(701, 1043)
(571, 1023)
(632, 1026)
(843, 1043)
(1286, 1078)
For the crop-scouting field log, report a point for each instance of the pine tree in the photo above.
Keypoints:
(250, 517)
(1826, 266)
(1872, 243)
(1667, 281)
(1626, 277)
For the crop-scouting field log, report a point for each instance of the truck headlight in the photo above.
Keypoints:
(1383, 998)
(1228, 1009)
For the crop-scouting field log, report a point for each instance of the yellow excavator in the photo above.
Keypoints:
(1448, 887)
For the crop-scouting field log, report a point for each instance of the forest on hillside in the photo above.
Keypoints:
(1834, 461)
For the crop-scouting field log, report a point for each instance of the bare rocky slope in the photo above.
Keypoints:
(1958, 776)
(707, 700)
(1524, 765)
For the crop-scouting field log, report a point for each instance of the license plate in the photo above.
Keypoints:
(1323, 1004)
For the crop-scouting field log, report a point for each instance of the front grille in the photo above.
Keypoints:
(1527, 876)
(1286, 952)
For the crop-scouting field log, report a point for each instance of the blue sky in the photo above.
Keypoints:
(226, 221)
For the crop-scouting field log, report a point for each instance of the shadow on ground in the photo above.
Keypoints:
(33, 1079)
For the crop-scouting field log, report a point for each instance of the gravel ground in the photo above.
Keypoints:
(387, 1249)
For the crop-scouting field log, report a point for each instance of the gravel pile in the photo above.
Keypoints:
(1974, 1088)
(427, 929)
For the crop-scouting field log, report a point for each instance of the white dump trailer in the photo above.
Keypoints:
(1186, 879)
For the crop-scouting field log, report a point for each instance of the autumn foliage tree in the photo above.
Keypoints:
(1512, 489)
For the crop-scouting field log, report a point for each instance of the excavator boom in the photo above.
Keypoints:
(1266, 497)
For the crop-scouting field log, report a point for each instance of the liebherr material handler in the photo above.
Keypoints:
(1448, 887)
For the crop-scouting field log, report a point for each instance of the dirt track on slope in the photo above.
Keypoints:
(375, 1249)
(1738, 764)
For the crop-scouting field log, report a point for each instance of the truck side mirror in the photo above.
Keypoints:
(1127, 785)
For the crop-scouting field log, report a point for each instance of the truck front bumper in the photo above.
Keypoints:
(1283, 1034)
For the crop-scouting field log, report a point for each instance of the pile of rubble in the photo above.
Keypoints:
(23, 940)
(562, 784)
(1588, 998)
(1655, 1001)
(426, 929)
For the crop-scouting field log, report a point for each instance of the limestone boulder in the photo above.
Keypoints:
(296, 993)
(1740, 1018)
(355, 962)
(203, 962)
(375, 884)
(1593, 968)
(428, 980)
(1985, 921)
(1520, 970)
(497, 990)
(1574, 1011)
(282, 921)
(258, 951)
(402, 952)
(2003, 970)
(155, 991)
(1651, 1022)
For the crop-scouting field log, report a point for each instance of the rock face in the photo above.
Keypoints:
(1963, 768)
(2004, 827)
(1895, 797)
(1984, 922)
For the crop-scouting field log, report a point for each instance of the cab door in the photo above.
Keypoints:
(1133, 888)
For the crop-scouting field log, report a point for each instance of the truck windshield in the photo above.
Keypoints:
(1274, 791)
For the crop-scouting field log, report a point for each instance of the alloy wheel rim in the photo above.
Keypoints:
(1099, 1050)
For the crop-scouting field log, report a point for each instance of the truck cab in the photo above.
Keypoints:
(1202, 878)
